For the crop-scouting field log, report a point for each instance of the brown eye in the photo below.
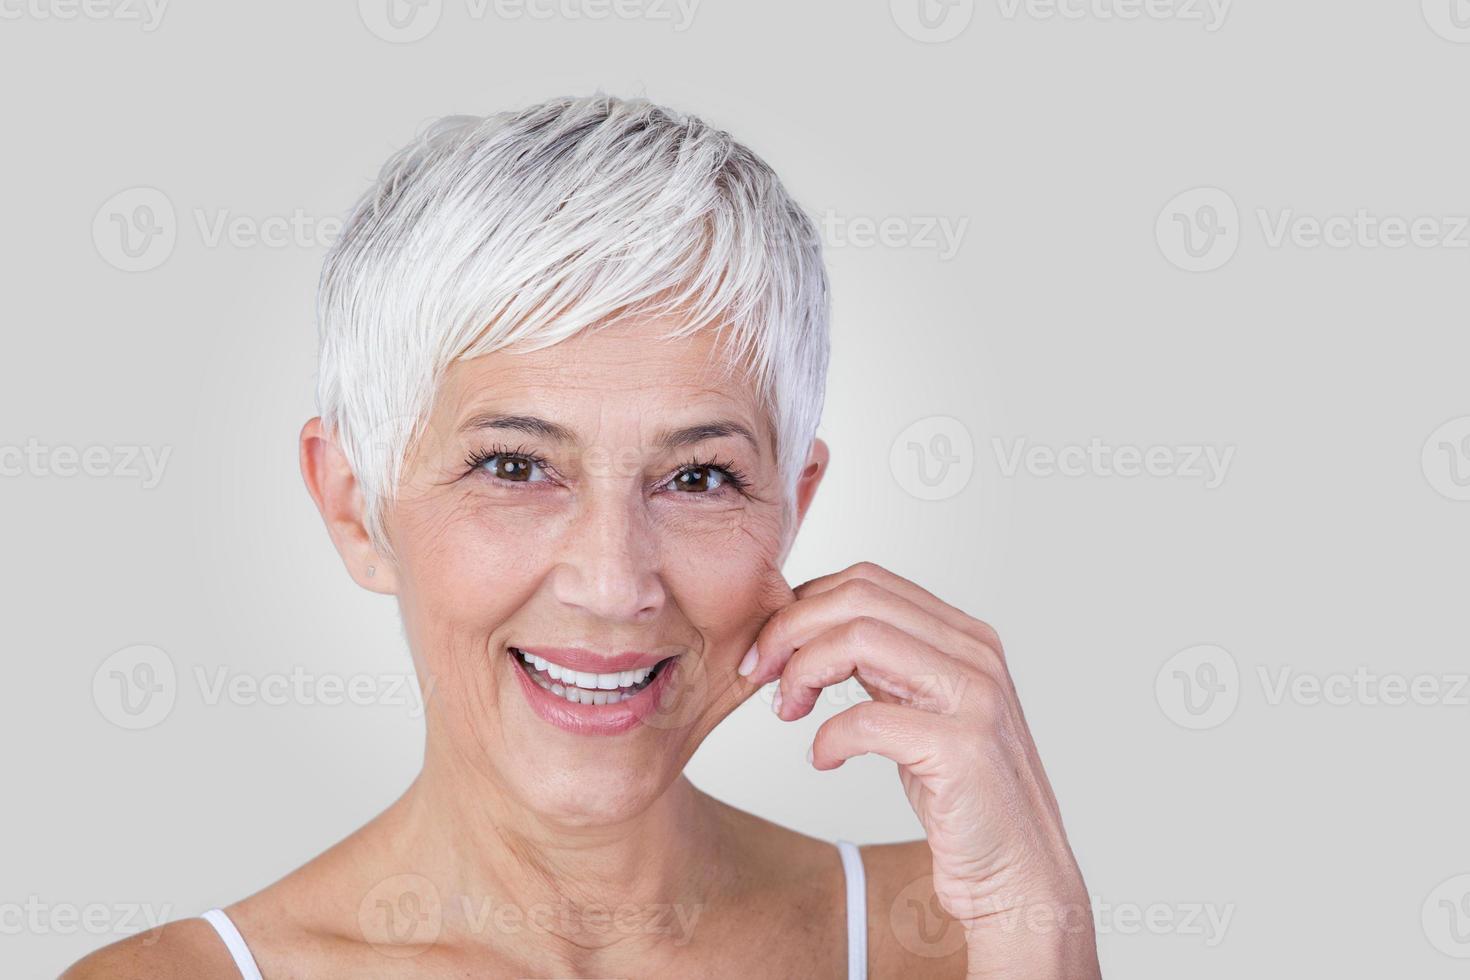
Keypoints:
(512, 468)
(699, 479)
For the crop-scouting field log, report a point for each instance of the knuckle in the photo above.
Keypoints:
(985, 633)
(865, 632)
(989, 658)
(987, 695)
(859, 589)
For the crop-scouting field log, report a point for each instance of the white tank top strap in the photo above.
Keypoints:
(234, 942)
(857, 910)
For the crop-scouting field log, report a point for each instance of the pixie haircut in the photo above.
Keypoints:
(527, 227)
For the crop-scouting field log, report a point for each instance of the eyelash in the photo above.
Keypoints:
(727, 468)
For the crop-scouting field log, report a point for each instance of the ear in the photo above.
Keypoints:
(339, 499)
(811, 477)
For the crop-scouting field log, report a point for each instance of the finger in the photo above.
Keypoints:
(809, 617)
(906, 735)
(957, 619)
(887, 661)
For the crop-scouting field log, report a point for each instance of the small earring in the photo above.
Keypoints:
(372, 570)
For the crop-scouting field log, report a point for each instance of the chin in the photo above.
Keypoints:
(598, 754)
(592, 793)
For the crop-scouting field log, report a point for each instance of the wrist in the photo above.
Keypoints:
(1047, 937)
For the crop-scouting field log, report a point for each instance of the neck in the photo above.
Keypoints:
(570, 895)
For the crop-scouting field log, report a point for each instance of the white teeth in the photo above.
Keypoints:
(583, 687)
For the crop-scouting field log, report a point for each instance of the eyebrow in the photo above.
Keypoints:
(666, 439)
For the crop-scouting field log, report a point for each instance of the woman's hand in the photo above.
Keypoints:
(945, 710)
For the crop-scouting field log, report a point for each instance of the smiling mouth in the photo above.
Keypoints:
(583, 687)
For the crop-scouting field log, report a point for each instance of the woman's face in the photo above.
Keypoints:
(611, 505)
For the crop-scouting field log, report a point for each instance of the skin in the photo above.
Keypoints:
(530, 851)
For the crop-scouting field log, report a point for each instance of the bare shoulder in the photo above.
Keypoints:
(281, 923)
(909, 935)
(187, 949)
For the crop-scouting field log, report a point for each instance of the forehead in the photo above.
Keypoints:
(624, 372)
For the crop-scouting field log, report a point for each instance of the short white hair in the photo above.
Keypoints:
(527, 227)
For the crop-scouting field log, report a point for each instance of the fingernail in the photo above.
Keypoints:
(776, 703)
(809, 755)
(747, 662)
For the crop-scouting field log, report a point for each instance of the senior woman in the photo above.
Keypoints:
(572, 362)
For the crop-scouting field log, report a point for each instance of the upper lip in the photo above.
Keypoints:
(594, 663)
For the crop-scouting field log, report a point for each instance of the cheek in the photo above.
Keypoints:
(721, 576)
(465, 569)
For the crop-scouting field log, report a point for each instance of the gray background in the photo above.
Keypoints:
(1332, 835)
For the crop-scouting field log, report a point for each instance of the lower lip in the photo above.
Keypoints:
(591, 719)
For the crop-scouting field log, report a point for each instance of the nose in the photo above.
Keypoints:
(608, 561)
